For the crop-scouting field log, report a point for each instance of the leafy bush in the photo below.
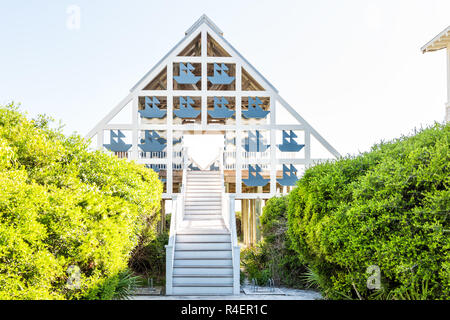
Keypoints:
(273, 256)
(149, 257)
(388, 208)
(62, 205)
(254, 263)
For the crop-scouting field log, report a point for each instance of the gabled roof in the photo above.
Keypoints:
(441, 41)
(214, 28)
(204, 19)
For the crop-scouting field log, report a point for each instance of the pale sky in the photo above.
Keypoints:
(352, 69)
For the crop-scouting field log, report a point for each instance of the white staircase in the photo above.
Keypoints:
(202, 255)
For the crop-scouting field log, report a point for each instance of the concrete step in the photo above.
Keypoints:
(204, 186)
(203, 178)
(200, 246)
(203, 189)
(212, 237)
(214, 201)
(204, 193)
(203, 205)
(218, 182)
(203, 201)
(216, 254)
(189, 224)
(208, 271)
(203, 173)
(210, 214)
(207, 215)
(204, 213)
(194, 182)
(199, 206)
(192, 217)
(209, 195)
(215, 229)
(203, 263)
(202, 291)
(202, 281)
(199, 198)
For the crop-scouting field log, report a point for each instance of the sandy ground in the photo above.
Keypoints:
(289, 294)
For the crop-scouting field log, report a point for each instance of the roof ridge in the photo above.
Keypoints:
(204, 19)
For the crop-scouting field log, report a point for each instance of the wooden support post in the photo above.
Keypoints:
(258, 212)
(247, 225)
(252, 222)
(162, 220)
(244, 221)
(249, 221)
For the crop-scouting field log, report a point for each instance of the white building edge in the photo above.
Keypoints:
(439, 42)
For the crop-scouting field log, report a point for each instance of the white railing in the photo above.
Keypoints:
(170, 247)
(229, 217)
(175, 222)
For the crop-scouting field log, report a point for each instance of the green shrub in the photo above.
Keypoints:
(389, 208)
(254, 263)
(149, 258)
(62, 205)
(273, 256)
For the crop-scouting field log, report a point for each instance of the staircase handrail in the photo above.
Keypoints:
(229, 217)
(183, 186)
(175, 221)
(170, 247)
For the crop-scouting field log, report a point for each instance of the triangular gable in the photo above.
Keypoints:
(204, 23)
(247, 83)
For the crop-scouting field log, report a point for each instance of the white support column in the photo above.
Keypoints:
(447, 109)
(204, 79)
(100, 139)
(169, 164)
(238, 103)
(236, 254)
(307, 147)
(135, 131)
(273, 146)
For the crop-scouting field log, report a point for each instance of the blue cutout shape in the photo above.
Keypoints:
(154, 167)
(289, 176)
(220, 109)
(151, 142)
(186, 76)
(186, 111)
(152, 111)
(119, 145)
(193, 168)
(176, 141)
(164, 141)
(213, 168)
(254, 109)
(291, 145)
(255, 142)
(220, 76)
(254, 177)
